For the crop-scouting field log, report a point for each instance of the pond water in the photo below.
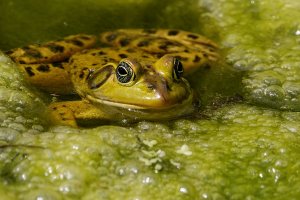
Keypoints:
(245, 149)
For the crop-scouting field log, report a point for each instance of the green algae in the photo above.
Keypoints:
(241, 152)
(230, 151)
(262, 38)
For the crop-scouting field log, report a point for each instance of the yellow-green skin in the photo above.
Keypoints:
(155, 91)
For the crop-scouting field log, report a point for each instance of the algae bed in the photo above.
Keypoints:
(243, 145)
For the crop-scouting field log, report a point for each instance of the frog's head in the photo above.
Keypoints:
(141, 86)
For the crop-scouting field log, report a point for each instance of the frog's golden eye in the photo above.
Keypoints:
(124, 73)
(177, 69)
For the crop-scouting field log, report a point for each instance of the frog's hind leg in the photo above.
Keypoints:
(51, 77)
(46, 65)
(54, 51)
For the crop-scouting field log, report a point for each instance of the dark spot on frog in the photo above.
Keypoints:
(29, 71)
(64, 106)
(164, 46)
(124, 42)
(186, 51)
(159, 55)
(9, 52)
(54, 108)
(145, 56)
(43, 68)
(205, 55)
(55, 48)
(173, 32)
(101, 53)
(33, 53)
(150, 31)
(22, 62)
(192, 36)
(143, 43)
(122, 55)
(196, 59)
(76, 42)
(111, 37)
(81, 75)
(106, 60)
(58, 64)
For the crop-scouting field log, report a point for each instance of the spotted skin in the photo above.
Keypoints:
(193, 49)
(48, 62)
(75, 64)
(55, 51)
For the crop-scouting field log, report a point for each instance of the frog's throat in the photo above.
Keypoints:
(188, 100)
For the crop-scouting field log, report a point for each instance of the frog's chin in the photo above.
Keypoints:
(122, 110)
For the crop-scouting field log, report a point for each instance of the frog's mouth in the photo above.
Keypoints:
(114, 104)
(104, 102)
(137, 112)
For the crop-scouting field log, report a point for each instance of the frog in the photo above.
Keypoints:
(119, 75)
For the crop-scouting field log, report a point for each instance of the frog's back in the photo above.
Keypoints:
(194, 50)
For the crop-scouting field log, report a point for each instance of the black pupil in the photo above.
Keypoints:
(122, 71)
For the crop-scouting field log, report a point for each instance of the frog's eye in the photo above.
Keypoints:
(177, 69)
(124, 73)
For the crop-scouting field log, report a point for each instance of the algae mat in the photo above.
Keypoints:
(234, 151)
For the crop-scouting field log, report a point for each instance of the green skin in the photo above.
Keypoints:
(139, 77)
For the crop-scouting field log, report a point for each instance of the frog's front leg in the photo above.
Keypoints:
(70, 112)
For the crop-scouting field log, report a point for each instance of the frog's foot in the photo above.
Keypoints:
(60, 113)
(70, 112)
